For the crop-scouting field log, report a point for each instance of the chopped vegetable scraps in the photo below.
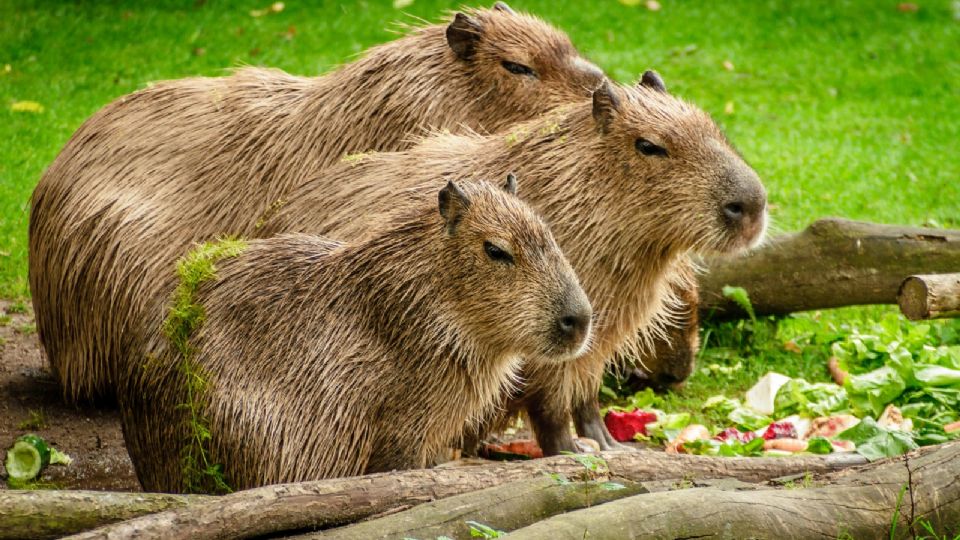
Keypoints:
(29, 455)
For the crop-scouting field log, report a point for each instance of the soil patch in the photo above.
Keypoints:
(30, 403)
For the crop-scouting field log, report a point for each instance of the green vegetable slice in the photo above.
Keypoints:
(27, 457)
(819, 445)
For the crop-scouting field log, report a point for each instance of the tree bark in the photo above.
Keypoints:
(327, 503)
(930, 297)
(886, 499)
(507, 507)
(54, 513)
(832, 263)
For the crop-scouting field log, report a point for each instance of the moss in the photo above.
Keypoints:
(551, 128)
(517, 136)
(185, 318)
(804, 482)
(353, 159)
(13, 483)
(269, 213)
(37, 420)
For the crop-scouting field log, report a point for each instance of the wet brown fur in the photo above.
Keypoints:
(326, 360)
(625, 220)
(183, 161)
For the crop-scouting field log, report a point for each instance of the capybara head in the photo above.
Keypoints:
(509, 282)
(672, 358)
(671, 156)
(519, 62)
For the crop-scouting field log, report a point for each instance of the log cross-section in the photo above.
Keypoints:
(930, 297)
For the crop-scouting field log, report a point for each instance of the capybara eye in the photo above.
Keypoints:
(496, 253)
(647, 148)
(516, 69)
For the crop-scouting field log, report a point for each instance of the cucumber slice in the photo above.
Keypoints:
(27, 457)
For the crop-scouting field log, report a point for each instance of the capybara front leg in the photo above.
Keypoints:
(586, 416)
(551, 429)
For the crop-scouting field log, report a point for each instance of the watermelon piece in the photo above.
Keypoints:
(735, 434)
(624, 425)
(781, 430)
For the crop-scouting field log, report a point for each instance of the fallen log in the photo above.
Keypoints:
(890, 499)
(932, 296)
(832, 263)
(328, 503)
(507, 507)
(54, 513)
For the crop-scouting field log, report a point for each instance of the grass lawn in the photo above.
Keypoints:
(845, 108)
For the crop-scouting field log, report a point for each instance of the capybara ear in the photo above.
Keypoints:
(510, 186)
(502, 6)
(651, 79)
(605, 105)
(463, 35)
(453, 203)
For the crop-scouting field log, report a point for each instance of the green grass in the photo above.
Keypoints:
(845, 108)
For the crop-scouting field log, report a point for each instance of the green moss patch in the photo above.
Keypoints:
(185, 318)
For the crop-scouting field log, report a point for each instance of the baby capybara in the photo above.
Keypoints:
(630, 184)
(183, 161)
(323, 359)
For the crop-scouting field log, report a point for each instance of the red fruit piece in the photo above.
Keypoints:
(733, 433)
(781, 430)
(519, 449)
(624, 425)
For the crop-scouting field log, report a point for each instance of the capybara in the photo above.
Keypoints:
(183, 161)
(630, 182)
(670, 359)
(323, 359)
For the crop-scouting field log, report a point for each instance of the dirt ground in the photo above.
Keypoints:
(30, 403)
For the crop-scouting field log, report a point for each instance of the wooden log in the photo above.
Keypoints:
(931, 296)
(832, 263)
(328, 503)
(507, 507)
(888, 499)
(53, 513)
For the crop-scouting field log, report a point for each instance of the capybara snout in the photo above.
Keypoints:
(680, 166)
(743, 207)
(574, 325)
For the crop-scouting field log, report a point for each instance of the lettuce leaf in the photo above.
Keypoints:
(871, 392)
(875, 442)
(811, 399)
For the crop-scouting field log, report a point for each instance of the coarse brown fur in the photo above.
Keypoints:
(671, 360)
(327, 360)
(185, 160)
(625, 220)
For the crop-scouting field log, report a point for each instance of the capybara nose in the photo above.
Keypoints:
(744, 208)
(747, 207)
(666, 380)
(573, 325)
(733, 211)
